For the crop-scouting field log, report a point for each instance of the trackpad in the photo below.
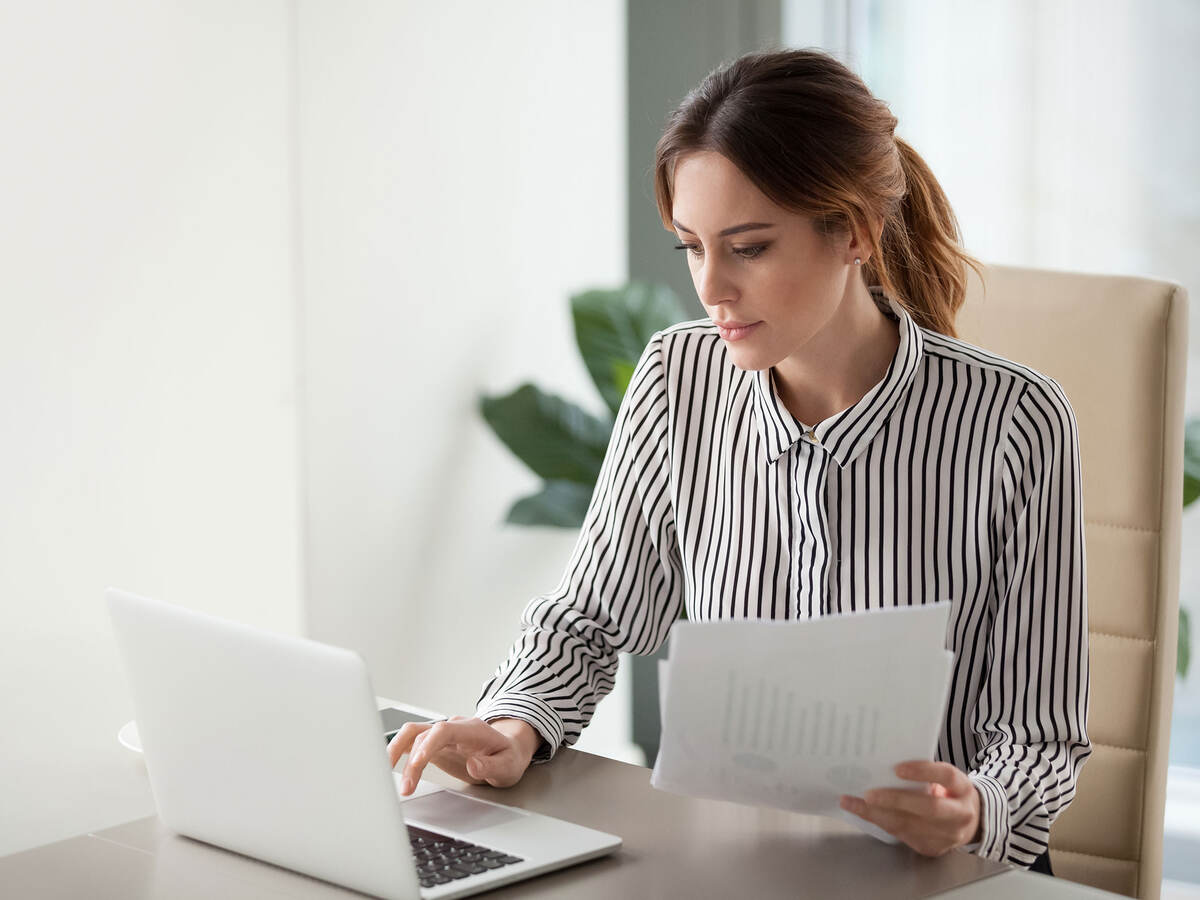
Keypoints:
(454, 812)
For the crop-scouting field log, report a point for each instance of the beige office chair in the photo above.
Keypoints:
(1118, 348)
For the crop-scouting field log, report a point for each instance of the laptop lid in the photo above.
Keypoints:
(265, 744)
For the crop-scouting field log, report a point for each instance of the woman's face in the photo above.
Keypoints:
(755, 264)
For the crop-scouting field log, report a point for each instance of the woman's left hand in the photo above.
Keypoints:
(933, 820)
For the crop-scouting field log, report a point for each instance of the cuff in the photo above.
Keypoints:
(993, 818)
(527, 708)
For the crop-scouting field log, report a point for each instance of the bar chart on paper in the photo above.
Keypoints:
(763, 721)
(794, 714)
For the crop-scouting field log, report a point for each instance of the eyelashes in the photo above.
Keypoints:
(744, 252)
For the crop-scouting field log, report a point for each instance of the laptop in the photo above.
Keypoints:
(271, 746)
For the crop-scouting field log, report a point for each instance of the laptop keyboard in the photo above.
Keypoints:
(441, 859)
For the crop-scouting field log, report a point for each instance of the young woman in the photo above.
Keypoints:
(822, 444)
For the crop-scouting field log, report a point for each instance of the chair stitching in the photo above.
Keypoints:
(1058, 848)
(1121, 637)
(1136, 528)
(1119, 747)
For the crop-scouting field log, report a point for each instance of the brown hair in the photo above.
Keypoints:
(810, 135)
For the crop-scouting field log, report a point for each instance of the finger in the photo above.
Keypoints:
(918, 803)
(402, 742)
(897, 824)
(488, 769)
(414, 748)
(945, 816)
(912, 830)
(472, 734)
(500, 770)
(415, 765)
(950, 777)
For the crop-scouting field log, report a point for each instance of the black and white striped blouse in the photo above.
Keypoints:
(955, 478)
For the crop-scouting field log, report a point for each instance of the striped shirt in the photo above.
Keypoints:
(954, 478)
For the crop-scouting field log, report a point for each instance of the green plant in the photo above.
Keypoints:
(1191, 492)
(560, 441)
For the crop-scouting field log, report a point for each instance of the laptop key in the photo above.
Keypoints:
(442, 879)
(441, 856)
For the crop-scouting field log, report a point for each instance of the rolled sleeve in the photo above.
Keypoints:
(531, 709)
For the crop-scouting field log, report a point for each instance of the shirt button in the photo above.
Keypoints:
(812, 436)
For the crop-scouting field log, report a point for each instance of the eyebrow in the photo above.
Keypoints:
(736, 229)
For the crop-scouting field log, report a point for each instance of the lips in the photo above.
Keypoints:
(735, 331)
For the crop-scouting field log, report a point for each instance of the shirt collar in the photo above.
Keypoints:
(848, 433)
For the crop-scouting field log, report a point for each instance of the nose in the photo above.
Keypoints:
(713, 282)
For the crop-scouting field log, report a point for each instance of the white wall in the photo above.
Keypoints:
(461, 173)
(147, 422)
(256, 263)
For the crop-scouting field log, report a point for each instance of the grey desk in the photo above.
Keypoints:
(674, 847)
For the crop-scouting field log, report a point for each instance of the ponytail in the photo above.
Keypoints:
(921, 262)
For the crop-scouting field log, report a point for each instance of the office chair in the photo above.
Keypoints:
(1118, 347)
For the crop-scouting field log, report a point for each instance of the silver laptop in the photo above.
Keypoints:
(272, 746)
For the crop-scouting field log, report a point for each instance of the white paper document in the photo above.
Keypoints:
(794, 714)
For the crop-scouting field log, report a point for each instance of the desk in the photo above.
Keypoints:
(674, 847)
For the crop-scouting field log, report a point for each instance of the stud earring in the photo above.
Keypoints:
(857, 261)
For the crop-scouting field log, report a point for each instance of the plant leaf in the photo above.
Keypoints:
(622, 375)
(1183, 658)
(614, 326)
(555, 438)
(562, 504)
(1191, 461)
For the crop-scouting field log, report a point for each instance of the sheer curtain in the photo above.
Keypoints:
(1067, 136)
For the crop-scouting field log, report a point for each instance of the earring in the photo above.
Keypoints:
(857, 261)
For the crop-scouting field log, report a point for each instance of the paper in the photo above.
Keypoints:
(794, 714)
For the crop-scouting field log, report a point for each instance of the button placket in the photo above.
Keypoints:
(810, 532)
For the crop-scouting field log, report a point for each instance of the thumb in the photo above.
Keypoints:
(477, 767)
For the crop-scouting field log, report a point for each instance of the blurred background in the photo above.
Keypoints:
(258, 260)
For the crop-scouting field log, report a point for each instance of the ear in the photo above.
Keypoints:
(859, 247)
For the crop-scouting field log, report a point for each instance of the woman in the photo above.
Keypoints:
(823, 445)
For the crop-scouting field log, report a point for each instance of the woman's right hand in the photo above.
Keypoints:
(472, 750)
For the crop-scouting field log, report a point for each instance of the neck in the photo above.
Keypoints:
(842, 362)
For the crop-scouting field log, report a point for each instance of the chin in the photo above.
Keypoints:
(749, 359)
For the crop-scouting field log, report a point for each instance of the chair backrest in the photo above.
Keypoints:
(1118, 347)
